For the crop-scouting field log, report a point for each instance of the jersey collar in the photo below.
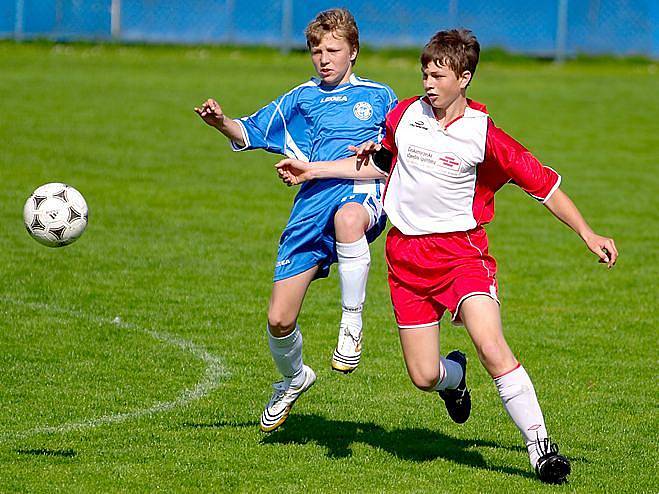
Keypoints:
(352, 81)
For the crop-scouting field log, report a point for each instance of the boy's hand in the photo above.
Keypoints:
(602, 247)
(211, 113)
(294, 172)
(364, 152)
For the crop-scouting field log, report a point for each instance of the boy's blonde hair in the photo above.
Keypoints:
(338, 21)
(457, 49)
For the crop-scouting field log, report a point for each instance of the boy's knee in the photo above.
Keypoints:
(280, 323)
(425, 381)
(496, 356)
(489, 350)
(351, 217)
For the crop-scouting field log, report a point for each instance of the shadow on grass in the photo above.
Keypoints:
(221, 424)
(414, 444)
(417, 445)
(66, 453)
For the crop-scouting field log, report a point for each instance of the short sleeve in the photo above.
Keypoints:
(277, 127)
(520, 165)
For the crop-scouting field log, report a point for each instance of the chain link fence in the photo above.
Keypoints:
(555, 28)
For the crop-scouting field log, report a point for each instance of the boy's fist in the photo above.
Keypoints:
(211, 113)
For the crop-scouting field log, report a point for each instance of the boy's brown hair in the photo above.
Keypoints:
(457, 49)
(338, 21)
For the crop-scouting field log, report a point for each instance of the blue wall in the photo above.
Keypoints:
(594, 26)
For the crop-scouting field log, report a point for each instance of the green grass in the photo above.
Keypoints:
(181, 244)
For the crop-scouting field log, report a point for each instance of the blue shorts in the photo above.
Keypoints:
(311, 241)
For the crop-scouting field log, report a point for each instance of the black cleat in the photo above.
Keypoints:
(552, 467)
(458, 400)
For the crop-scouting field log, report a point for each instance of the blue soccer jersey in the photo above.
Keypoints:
(316, 123)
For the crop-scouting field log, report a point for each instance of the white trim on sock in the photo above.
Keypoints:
(450, 374)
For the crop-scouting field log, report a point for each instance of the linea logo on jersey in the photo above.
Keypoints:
(362, 110)
(337, 99)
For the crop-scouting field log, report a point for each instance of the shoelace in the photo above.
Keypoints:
(544, 446)
(280, 389)
(346, 331)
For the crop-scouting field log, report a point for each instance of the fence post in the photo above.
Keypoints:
(228, 14)
(18, 20)
(59, 16)
(115, 19)
(561, 32)
(286, 25)
(453, 13)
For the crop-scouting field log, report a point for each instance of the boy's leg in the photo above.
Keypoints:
(286, 301)
(413, 295)
(420, 347)
(429, 371)
(481, 316)
(354, 258)
(285, 342)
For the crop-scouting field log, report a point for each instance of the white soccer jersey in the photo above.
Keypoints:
(444, 179)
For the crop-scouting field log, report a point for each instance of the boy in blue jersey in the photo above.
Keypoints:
(331, 220)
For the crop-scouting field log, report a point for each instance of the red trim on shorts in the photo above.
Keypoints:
(508, 372)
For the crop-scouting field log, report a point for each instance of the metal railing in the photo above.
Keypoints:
(553, 28)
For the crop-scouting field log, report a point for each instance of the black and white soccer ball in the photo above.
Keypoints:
(55, 214)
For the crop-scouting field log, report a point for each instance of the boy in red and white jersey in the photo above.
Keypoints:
(445, 159)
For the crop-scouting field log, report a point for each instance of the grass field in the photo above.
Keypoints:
(136, 358)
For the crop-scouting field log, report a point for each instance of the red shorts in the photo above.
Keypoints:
(431, 273)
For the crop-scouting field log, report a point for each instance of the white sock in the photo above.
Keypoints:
(519, 400)
(450, 374)
(287, 354)
(354, 260)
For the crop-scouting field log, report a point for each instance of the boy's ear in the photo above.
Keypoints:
(465, 79)
(353, 55)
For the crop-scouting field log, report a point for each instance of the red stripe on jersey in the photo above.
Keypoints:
(475, 105)
(391, 126)
(453, 121)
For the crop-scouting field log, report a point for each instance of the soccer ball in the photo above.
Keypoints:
(55, 214)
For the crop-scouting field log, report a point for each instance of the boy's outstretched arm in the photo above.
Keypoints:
(565, 210)
(295, 172)
(211, 113)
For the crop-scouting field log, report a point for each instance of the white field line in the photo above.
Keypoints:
(214, 374)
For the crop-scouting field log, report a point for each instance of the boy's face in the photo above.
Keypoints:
(442, 86)
(332, 58)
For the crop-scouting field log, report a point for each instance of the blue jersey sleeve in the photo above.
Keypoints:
(278, 127)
